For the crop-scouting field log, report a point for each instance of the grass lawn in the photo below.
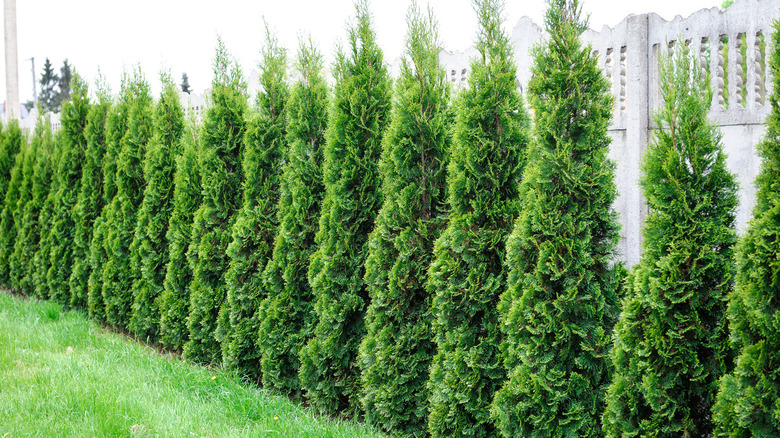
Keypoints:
(62, 375)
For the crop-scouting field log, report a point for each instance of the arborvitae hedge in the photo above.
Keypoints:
(561, 300)
(73, 120)
(149, 250)
(288, 318)
(175, 297)
(42, 257)
(747, 400)
(671, 342)
(7, 161)
(467, 274)
(115, 130)
(219, 159)
(361, 106)
(19, 262)
(41, 147)
(396, 352)
(90, 201)
(117, 275)
(255, 227)
(13, 142)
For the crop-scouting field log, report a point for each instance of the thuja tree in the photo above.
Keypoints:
(329, 372)
(175, 298)
(670, 343)
(256, 223)
(28, 237)
(467, 274)
(13, 143)
(115, 129)
(396, 352)
(7, 161)
(220, 153)
(18, 262)
(287, 319)
(42, 257)
(561, 300)
(90, 201)
(747, 400)
(117, 275)
(149, 250)
(73, 120)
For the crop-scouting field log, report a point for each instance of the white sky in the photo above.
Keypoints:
(181, 35)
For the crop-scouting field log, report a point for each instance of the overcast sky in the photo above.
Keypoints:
(181, 35)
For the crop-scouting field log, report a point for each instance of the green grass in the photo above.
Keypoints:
(61, 375)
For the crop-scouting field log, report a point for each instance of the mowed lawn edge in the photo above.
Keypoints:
(63, 375)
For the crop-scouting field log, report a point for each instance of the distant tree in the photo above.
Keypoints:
(73, 144)
(185, 83)
(562, 291)
(175, 298)
(115, 129)
(747, 399)
(90, 201)
(467, 274)
(670, 343)
(13, 143)
(288, 318)
(47, 97)
(63, 86)
(396, 353)
(149, 250)
(361, 108)
(256, 223)
(117, 275)
(23, 260)
(221, 148)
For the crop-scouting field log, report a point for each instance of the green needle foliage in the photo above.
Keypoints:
(175, 297)
(117, 275)
(396, 352)
(255, 227)
(288, 319)
(42, 147)
(747, 400)
(19, 260)
(149, 250)
(220, 154)
(42, 257)
(90, 201)
(561, 300)
(361, 106)
(670, 344)
(73, 120)
(13, 142)
(467, 274)
(115, 130)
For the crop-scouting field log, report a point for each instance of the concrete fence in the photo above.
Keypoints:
(628, 54)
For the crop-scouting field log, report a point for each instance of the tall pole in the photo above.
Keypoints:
(35, 90)
(11, 61)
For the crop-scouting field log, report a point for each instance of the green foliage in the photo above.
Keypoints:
(396, 352)
(73, 145)
(256, 223)
(115, 129)
(90, 201)
(670, 344)
(19, 255)
(13, 144)
(561, 300)
(288, 319)
(747, 398)
(149, 249)
(117, 275)
(219, 161)
(175, 297)
(467, 274)
(361, 106)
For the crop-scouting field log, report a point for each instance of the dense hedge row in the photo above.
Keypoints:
(437, 265)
